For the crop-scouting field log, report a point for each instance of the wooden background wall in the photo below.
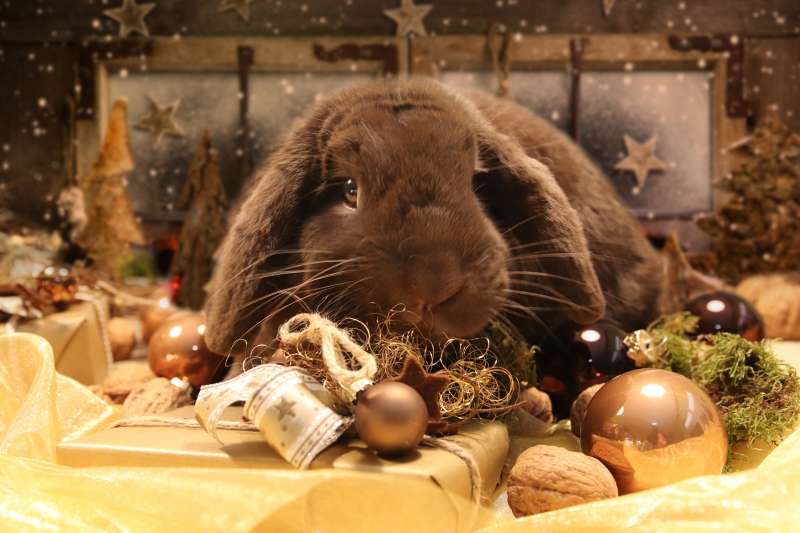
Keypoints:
(38, 54)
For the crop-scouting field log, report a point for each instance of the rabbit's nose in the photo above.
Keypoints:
(433, 279)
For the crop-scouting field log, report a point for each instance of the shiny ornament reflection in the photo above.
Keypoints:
(652, 428)
(391, 417)
(178, 350)
(579, 358)
(721, 311)
(154, 316)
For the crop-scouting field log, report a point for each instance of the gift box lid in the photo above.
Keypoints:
(484, 444)
(78, 338)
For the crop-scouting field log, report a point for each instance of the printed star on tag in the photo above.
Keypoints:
(641, 160)
(130, 16)
(284, 408)
(161, 120)
(409, 17)
(241, 6)
(429, 386)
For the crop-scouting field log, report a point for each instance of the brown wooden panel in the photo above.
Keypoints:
(26, 19)
(773, 76)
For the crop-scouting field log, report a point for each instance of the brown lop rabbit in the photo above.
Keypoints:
(455, 208)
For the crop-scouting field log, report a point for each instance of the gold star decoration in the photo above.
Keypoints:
(409, 17)
(608, 5)
(284, 408)
(241, 6)
(161, 120)
(429, 386)
(130, 16)
(641, 160)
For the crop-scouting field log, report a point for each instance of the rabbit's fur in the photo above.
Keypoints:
(468, 208)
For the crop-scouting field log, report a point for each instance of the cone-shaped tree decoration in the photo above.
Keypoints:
(203, 228)
(112, 225)
(758, 229)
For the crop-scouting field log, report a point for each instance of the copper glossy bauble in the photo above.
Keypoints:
(391, 417)
(722, 311)
(178, 350)
(652, 428)
(153, 317)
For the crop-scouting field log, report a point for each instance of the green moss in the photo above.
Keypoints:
(680, 351)
(758, 395)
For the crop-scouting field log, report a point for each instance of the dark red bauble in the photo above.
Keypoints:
(726, 312)
(578, 358)
(602, 348)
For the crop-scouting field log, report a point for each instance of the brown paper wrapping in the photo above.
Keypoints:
(446, 498)
(78, 338)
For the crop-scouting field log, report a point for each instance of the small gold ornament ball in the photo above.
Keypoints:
(391, 417)
(654, 427)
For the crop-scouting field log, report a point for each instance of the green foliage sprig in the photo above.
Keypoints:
(758, 395)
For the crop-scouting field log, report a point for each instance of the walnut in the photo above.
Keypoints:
(157, 396)
(124, 377)
(546, 478)
(579, 406)
(122, 337)
(538, 404)
(777, 298)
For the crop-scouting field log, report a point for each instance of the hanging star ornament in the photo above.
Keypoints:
(130, 16)
(608, 5)
(641, 160)
(409, 17)
(160, 120)
(241, 6)
(429, 386)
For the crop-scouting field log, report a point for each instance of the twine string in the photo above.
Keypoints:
(333, 343)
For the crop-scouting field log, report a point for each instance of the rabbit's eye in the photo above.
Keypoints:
(350, 193)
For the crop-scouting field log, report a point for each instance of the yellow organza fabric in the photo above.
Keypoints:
(39, 408)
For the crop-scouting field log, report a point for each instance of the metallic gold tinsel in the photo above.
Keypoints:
(479, 384)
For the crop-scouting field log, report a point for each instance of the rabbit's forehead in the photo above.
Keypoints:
(420, 140)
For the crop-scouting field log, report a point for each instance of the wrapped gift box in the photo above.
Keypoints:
(437, 485)
(79, 341)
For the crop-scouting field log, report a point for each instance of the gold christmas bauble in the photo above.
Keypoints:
(391, 417)
(178, 350)
(121, 337)
(654, 427)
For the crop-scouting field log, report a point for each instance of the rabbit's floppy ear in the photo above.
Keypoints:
(536, 213)
(267, 223)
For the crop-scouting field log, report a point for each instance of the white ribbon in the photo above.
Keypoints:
(290, 408)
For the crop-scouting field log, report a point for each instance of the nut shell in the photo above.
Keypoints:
(122, 337)
(538, 404)
(546, 478)
(156, 396)
(125, 377)
(579, 406)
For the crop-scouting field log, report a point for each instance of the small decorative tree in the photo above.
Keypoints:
(111, 225)
(758, 229)
(203, 228)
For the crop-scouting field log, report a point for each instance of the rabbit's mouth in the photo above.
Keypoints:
(462, 314)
